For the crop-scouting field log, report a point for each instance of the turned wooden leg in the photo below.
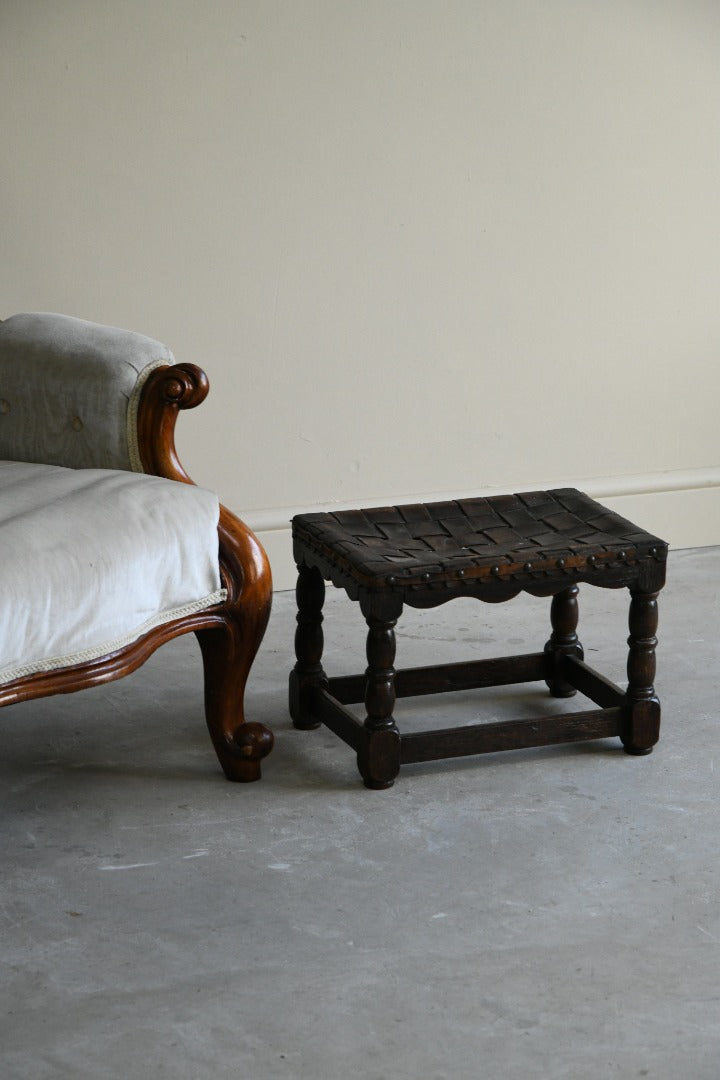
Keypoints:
(642, 710)
(228, 652)
(563, 640)
(308, 671)
(379, 756)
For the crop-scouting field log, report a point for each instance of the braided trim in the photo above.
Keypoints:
(108, 647)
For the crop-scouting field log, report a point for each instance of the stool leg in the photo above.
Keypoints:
(379, 754)
(642, 719)
(563, 640)
(308, 672)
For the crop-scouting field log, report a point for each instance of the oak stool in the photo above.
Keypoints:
(540, 542)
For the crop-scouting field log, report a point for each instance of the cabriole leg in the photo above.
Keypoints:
(642, 711)
(563, 640)
(228, 652)
(379, 755)
(308, 671)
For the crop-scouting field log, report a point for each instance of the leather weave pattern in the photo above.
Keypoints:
(502, 536)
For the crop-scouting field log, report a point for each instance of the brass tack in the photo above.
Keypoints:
(653, 552)
(622, 555)
(495, 570)
(560, 564)
(592, 560)
(527, 567)
(461, 573)
(426, 576)
(390, 580)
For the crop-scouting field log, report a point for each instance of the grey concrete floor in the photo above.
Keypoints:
(552, 913)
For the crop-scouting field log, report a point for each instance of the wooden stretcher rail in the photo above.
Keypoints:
(331, 712)
(446, 678)
(591, 683)
(510, 735)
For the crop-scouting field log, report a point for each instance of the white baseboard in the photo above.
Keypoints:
(682, 507)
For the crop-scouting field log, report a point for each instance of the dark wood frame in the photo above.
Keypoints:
(315, 698)
(229, 633)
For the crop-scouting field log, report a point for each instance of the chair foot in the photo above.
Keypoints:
(241, 755)
(228, 651)
(229, 647)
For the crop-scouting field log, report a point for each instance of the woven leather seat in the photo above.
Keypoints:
(542, 542)
(507, 537)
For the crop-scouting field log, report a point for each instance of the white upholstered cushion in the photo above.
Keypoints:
(91, 559)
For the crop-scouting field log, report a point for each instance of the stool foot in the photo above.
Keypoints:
(379, 752)
(308, 672)
(561, 690)
(563, 640)
(642, 723)
(298, 696)
(378, 758)
(638, 751)
(641, 729)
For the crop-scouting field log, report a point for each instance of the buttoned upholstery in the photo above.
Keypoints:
(69, 391)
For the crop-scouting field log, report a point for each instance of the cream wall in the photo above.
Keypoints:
(420, 246)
